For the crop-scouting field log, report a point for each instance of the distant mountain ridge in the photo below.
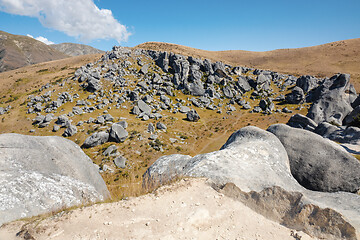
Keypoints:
(18, 51)
(74, 49)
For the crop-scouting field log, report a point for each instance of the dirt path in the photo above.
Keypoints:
(189, 209)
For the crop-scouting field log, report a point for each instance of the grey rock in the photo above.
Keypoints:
(257, 109)
(100, 120)
(136, 110)
(349, 135)
(184, 109)
(243, 84)
(96, 139)
(325, 129)
(48, 118)
(160, 126)
(120, 162)
(143, 107)
(353, 117)
(38, 119)
(151, 128)
(263, 82)
(280, 98)
(110, 150)
(118, 133)
(227, 92)
(39, 176)
(195, 89)
(77, 110)
(108, 118)
(165, 100)
(192, 116)
(317, 163)
(70, 131)
(219, 69)
(144, 69)
(307, 83)
(56, 128)
(296, 96)
(286, 110)
(63, 120)
(123, 123)
(247, 106)
(93, 85)
(266, 105)
(153, 137)
(333, 103)
(301, 121)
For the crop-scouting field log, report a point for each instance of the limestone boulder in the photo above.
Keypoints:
(318, 163)
(42, 174)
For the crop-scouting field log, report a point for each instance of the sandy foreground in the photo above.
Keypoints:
(189, 209)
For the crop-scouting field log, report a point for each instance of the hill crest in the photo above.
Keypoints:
(321, 61)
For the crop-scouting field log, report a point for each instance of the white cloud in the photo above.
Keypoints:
(41, 39)
(80, 18)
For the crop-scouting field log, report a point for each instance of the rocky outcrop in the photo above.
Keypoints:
(192, 116)
(317, 163)
(256, 160)
(332, 100)
(41, 174)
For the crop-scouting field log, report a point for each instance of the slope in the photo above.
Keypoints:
(18, 51)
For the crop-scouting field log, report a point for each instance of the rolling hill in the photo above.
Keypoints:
(321, 61)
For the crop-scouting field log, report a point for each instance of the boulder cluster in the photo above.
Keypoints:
(334, 112)
(150, 81)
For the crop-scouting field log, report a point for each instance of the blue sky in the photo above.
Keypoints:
(256, 25)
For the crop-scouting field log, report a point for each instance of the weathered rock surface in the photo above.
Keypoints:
(317, 163)
(296, 96)
(353, 118)
(332, 102)
(41, 174)
(120, 162)
(301, 121)
(118, 133)
(254, 160)
(289, 210)
(96, 139)
(192, 116)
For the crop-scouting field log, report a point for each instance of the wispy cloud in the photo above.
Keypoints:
(81, 18)
(41, 39)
